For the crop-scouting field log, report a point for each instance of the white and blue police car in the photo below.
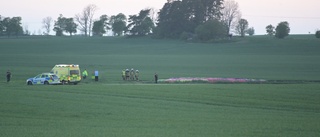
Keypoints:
(44, 79)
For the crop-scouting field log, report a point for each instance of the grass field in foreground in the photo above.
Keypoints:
(112, 107)
(161, 110)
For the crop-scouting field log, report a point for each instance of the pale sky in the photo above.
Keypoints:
(303, 16)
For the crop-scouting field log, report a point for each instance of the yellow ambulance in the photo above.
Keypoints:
(68, 73)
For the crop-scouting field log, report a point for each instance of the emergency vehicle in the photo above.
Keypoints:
(68, 73)
(44, 78)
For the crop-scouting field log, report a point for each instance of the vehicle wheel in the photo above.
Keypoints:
(29, 83)
(63, 82)
(46, 83)
(75, 83)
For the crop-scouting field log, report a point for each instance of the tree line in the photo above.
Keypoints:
(202, 20)
(10, 26)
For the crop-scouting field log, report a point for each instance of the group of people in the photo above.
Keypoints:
(130, 74)
(127, 75)
(134, 75)
(95, 75)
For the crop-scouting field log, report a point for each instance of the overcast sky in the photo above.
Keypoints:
(303, 16)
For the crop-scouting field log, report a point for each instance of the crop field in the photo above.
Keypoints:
(286, 105)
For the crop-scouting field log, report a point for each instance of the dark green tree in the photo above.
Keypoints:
(59, 25)
(1, 26)
(16, 25)
(64, 25)
(242, 27)
(6, 25)
(100, 26)
(12, 26)
(71, 26)
(318, 34)
(213, 29)
(282, 30)
(250, 31)
(118, 24)
(178, 16)
(171, 20)
(140, 25)
(270, 30)
(200, 11)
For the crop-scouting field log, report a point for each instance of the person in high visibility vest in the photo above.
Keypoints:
(84, 74)
(123, 74)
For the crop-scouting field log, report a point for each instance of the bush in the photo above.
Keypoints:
(184, 36)
(250, 31)
(213, 29)
(318, 34)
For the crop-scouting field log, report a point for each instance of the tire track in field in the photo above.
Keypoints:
(217, 104)
(220, 104)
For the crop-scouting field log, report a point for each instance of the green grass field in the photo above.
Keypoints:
(112, 107)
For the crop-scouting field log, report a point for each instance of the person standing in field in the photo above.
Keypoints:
(8, 76)
(123, 74)
(156, 78)
(84, 74)
(137, 75)
(132, 74)
(96, 75)
(127, 74)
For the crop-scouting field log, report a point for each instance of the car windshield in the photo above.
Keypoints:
(54, 76)
(38, 76)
